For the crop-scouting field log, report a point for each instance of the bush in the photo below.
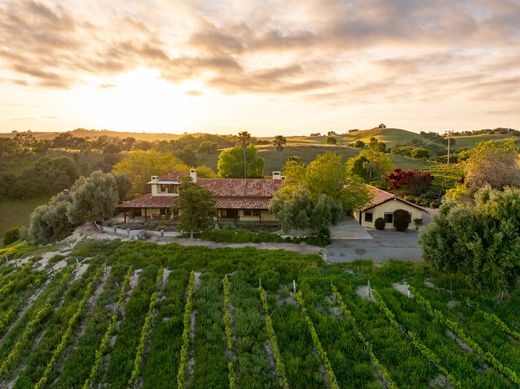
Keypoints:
(401, 220)
(380, 224)
(478, 240)
(11, 235)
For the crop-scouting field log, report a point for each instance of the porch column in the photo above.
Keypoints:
(145, 217)
(124, 216)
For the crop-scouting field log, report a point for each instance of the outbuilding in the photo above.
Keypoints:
(384, 205)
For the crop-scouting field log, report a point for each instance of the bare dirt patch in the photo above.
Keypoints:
(364, 292)
(402, 287)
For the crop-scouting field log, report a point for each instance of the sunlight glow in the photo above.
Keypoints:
(140, 100)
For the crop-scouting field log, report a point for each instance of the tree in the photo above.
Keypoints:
(410, 182)
(205, 172)
(294, 171)
(94, 199)
(382, 125)
(230, 163)
(123, 185)
(331, 140)
(370, 164)
(139, 166)
(494, 164)
(420, 153)
(359, 144)
(196, 207)
(25, 139)
(187, 155)
(279, 142)
(296, 209)
(208, 147)
(48, 176)
(376, 145)
(317, 196)
(244, 138)
(480, 241)
(49, 222)
(11, 235)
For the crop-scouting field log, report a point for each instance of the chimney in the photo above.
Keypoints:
(193, 175)
(277, 175)
(155, 178)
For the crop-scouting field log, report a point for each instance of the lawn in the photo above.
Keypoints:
(14, 213)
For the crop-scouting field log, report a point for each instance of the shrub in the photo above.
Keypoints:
(380, 224)
(11, 235)
(478, 240)
(401, 220)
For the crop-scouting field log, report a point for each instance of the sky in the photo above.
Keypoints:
(270, 67)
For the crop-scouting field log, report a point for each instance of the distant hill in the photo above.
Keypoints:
(390, 136)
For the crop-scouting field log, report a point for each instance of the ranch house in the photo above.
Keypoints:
(237, 199)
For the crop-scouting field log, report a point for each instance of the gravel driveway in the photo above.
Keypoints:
(389, 244)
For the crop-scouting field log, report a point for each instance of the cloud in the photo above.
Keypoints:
(332, 51)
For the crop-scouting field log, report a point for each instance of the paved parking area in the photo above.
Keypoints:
(348, 229)
(388, 244)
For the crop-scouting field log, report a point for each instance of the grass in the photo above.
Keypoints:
(467, 142)
(402, 162)
(16, 213)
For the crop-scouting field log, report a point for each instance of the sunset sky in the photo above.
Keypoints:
(270, 67)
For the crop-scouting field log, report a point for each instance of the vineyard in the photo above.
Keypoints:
(133, 314)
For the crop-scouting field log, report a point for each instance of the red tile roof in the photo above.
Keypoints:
(232, 193)
(173, 176)
(240, 187)
(149, 201)
(381, 196)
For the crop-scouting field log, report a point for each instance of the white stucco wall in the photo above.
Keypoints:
(390, 206)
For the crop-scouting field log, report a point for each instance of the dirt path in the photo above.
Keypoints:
(193, 322)
(299, 248)
(88, 232)
(26, 308)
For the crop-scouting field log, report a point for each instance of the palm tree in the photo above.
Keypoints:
(244, 138)
(279, 142)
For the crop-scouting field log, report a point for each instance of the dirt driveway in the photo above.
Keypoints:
(388, 244)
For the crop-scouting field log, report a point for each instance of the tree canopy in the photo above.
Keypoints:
(369, 164)
(230, 163)
(139, 166)
(279, 142)
(481, 241)
(317, 195)
(494, 164)
(196, 207)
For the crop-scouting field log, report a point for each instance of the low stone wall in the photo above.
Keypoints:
(138, 234)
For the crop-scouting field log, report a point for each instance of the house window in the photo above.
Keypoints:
(389, 217)
(368, 217)
(247, 212)
(165, 211)
(251, 212)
